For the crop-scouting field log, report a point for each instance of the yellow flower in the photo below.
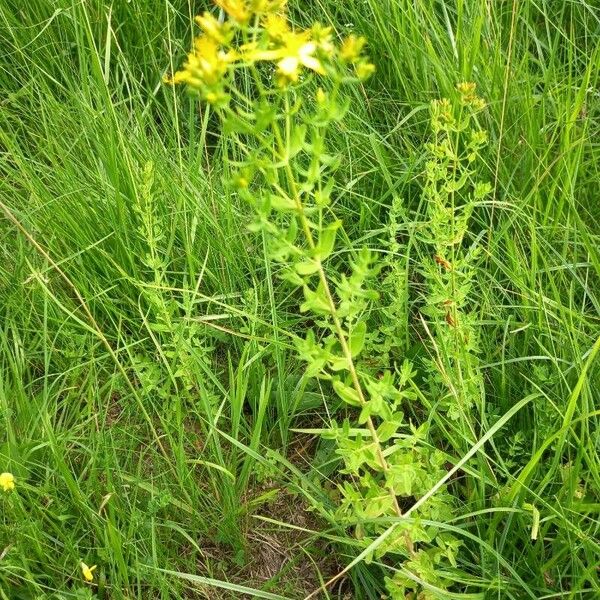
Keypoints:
(364, 70)
(298, 51)
(205, 65)
(241, 181)
(87, 572)
(7, 481)
(208, 61)
(322, 37)
(252, 52)
(351, 48)
(267, 6)
(212, 28)
(236, 9)
(276, 26)
(291, 51)
(466, 88)
(468, 97)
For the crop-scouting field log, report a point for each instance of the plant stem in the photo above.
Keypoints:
(341, 335)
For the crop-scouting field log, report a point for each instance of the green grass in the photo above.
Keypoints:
(150, 394)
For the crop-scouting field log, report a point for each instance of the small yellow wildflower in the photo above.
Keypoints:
(267, 6)
(351, 53)
(364, 70)
(468, 97)
(212, 28)
(322, 36)
(210, 62)
(351, 48)
(87, 572)
(298, 51)
(236, 9)
(466, 88)
(7, 481)
(205, 65)
(276, 26)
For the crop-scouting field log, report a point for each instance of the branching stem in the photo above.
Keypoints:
(339, 330)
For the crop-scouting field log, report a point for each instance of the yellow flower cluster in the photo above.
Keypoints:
(7, 482)
(258, 31)
(242, 11)
(351, 52)
(468, 96)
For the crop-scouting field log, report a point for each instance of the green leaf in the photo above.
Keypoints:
(283, 204)
(292, 231)
(340, 109)
(292, 277)
(481, 190)
(236, 124)
(297, 140)
(346, 393)
(315, 301)
(323, 195)
(454, 185)
(278, 250)
(357, 338)
(364, 415)
(314, 171)
(307, 267)
(400, 478)
(388, 429)
(327, 241)
(338, 363)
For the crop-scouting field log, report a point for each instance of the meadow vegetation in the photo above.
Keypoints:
(322, 321)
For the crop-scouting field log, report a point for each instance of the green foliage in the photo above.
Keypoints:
(287, 180)
(452, 192)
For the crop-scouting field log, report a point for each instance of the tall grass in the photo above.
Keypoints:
(150, 396)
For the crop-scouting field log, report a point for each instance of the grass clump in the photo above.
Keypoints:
(190, 407)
